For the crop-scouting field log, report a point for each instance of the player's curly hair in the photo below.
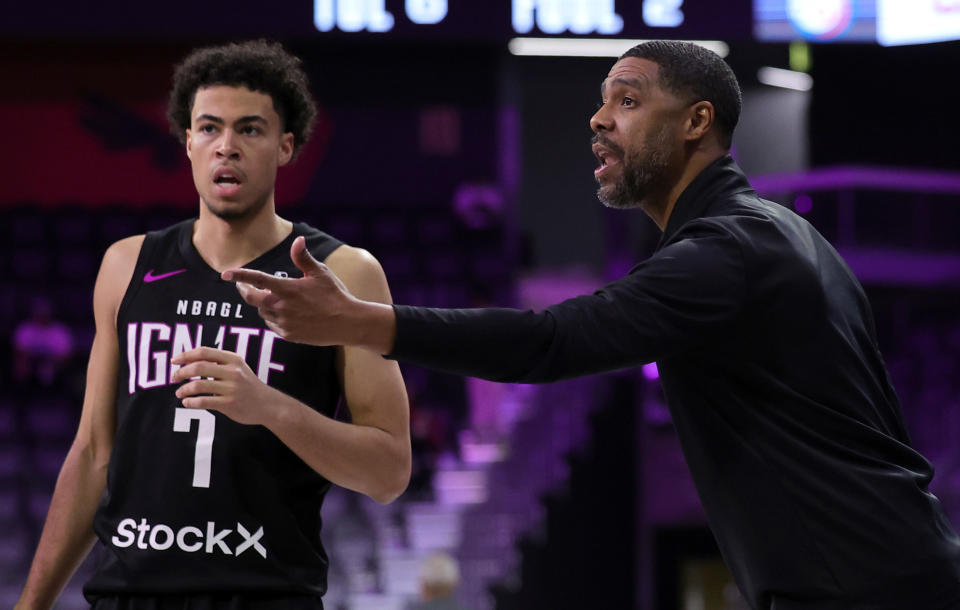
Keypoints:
(258, 65)
(691, 71)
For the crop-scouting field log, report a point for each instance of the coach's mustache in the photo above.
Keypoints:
(608, 144)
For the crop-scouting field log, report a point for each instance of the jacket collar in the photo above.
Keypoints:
(723, 176)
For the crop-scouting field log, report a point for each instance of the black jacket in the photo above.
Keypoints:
(767, 353)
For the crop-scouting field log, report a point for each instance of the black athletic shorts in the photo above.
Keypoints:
(207, 602)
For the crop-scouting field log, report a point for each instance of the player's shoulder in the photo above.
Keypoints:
(123, 253)
(361, 272)
(116, 270)
(353, 261)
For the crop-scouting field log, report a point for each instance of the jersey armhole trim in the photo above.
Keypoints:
(146, 248)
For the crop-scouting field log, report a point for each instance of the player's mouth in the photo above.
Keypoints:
(607, 158)
(227, 181)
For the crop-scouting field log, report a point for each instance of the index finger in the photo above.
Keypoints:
(258, 279)
(209, 354)
(257, 297)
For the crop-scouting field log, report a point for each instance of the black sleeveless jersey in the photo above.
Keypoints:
(196, 502)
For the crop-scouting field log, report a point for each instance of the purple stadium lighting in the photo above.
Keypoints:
(853, 177)
(650, 371)
(802, 203)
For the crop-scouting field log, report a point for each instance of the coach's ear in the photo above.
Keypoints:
(286, 149)
(702, 115)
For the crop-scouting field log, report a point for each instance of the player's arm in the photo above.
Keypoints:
(68, 531)
(371, 455)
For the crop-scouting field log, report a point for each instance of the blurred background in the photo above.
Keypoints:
(453, 144)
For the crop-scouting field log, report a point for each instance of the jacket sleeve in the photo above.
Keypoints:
(683, 294)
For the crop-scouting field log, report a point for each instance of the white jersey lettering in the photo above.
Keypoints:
(251, 541)
(147, 330)
(243, 338)
(266, 351)
(191, 547)
(152, 345)
(189, 538)
(183, 343)
(143, 528)
(132, 355)
(167, 535)
(215, 539)
(125, 529)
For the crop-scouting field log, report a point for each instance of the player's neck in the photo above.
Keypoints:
(226, 244)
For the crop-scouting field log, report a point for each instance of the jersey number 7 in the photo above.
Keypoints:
(203, 455)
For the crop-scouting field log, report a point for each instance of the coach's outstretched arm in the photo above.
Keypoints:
(674, 300)
(68, 531)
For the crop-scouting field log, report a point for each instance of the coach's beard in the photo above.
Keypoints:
(642, 174)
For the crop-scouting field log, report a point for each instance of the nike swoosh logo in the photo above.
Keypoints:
(150, 277)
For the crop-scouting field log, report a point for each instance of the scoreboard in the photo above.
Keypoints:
(506, 19)
(492, 21)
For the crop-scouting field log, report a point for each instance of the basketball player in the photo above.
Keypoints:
(764, 340)
(206, 443)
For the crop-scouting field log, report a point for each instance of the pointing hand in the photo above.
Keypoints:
(316, 309)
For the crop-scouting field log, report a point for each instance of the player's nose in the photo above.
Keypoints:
(227, 147)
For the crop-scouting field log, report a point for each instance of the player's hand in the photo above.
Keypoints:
(304, 310)
(226, 384)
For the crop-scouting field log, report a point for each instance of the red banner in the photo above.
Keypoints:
(96, 152)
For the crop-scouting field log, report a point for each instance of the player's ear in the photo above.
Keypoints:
(189, 143)
(286, 148)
